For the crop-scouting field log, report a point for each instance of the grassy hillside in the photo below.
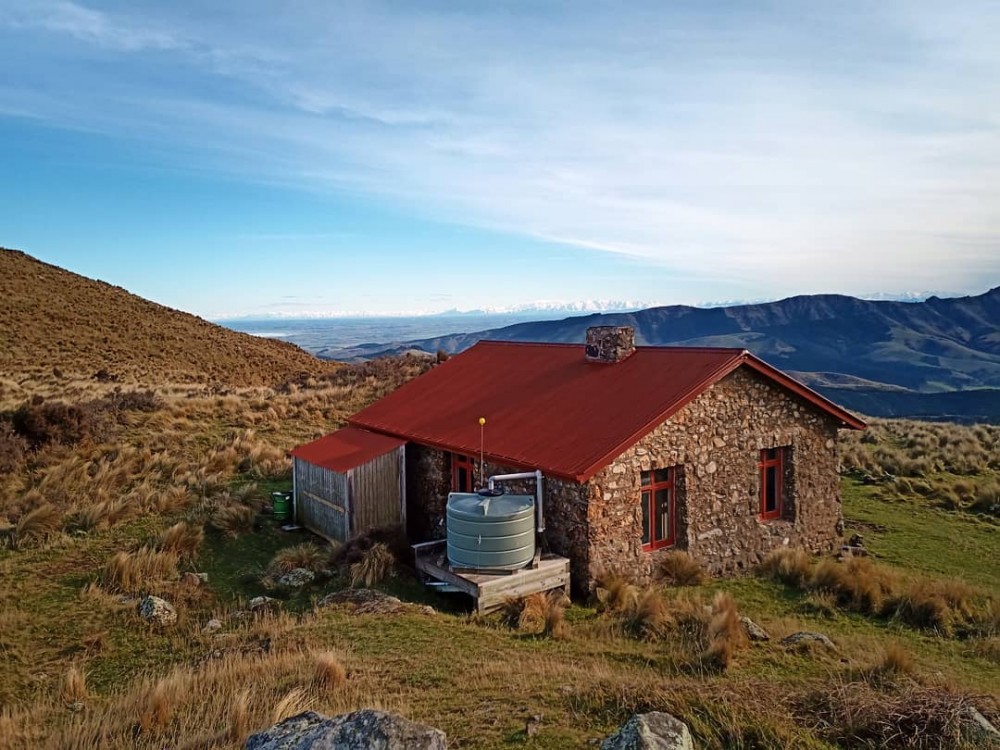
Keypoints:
(96, 519)
(58, 328)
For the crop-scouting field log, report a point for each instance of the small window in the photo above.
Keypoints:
(771, 492)
(463, 473)
(657, 500)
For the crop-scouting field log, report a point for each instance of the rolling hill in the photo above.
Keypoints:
(55, 321)
(938, 358)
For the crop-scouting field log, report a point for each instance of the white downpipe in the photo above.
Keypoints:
(537, 476)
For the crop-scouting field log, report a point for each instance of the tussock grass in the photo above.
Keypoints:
(855, 714)
(182, 539)
(680, 569)
(306, 555)
(74, 685)
(790, 565)
(37, 525)
(376, 565)
(134, 572)
(614, 592)
(233, 520)
(541, 613)
(945, 606)
(330, 673)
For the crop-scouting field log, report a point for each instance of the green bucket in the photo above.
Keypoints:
(281, 505)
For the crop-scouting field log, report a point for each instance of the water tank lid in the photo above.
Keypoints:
(475, 505)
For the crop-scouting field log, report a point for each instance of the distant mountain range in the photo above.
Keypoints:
(939, 358)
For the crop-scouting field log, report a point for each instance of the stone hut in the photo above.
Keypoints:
(643, 449)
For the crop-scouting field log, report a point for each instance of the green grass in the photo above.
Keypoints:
(912, 534)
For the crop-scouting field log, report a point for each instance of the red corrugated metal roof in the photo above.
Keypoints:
(547, 408)
(346, 448)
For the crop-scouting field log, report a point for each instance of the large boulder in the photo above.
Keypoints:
(653, 731)
(359, 730)
(157, 611)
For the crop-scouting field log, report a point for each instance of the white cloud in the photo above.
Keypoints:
(812, 147)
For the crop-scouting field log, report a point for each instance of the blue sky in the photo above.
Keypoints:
(416, 156)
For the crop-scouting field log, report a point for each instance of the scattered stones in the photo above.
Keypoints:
(262, 604)
(297, 578)
(212, 625)
(191, 579)
(807, 637)
(652, 731)
(158, 611)
(372, 602)
(77, 706)
(359, 730)
(754, 631)
(203, 577)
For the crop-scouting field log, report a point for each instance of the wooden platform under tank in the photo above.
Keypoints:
(491, 589)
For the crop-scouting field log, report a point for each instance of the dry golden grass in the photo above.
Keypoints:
(615, 593)
(376, 565)
(233, 520)
(74, 687)
(330, 673)
(540, 613)
(37, 525)
(107, 336)
(680, 569)
(182, 539)
(307, 555)
(133, 572)
(790, 565)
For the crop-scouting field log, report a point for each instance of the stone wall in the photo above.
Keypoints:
(717, 439)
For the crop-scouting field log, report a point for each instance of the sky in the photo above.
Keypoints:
(385, 157)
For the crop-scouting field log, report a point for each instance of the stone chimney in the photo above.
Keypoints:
(610, 344)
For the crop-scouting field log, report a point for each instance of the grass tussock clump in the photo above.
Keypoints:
(74, 686)
(306, 555)
(857, 715)
(615, 593)
(678, 568)
(37, 526)
(860, 585)
(541, 613)
(330, 673)
(133, 572)
(376, 565)
(789, 565)
(725, 635)
(233, 520)
(182, 539)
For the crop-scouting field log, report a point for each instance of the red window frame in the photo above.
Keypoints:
(772, 469)
(460, 463)
(652, 484)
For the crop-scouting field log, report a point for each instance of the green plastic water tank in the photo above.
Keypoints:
(490, 532)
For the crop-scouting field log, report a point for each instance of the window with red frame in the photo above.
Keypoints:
(463, 473)
(771, 470)
(657, 500)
